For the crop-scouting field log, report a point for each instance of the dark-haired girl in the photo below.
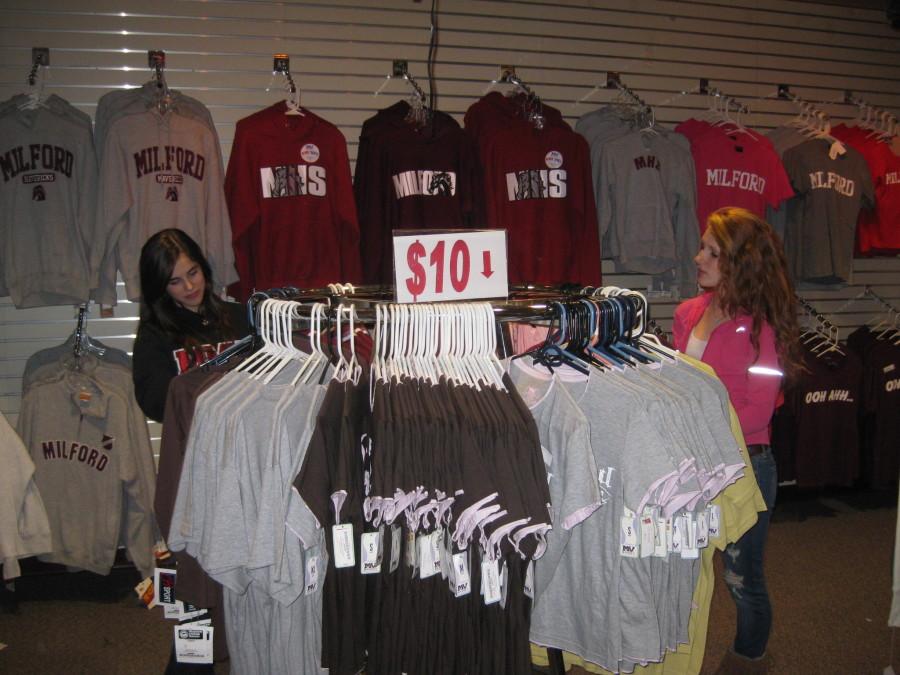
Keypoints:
(183, 322)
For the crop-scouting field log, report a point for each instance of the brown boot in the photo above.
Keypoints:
(735, 664)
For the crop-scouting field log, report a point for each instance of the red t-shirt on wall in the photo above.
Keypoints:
(734, 169)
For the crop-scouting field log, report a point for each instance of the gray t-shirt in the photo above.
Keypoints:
(833, 190)
(580, 611)
(572, 472)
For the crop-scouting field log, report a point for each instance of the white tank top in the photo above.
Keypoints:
(695, 347)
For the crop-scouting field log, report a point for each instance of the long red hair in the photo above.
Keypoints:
(754, 280)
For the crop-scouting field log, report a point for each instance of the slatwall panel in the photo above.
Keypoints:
(220, 51)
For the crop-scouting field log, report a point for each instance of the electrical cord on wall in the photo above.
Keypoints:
(432, 51)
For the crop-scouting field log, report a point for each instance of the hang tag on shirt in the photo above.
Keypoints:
(173, 611)
(715, 515)
(504, 584)
(371, 554)
(395, 548)
(628, 538)
(342, 541)
(677, 534)
(670, 536)
(425, 549)
(145, 592)
(490, 572)
(194, 644)
(529, 580)
(446, 561)
(462, 582)
(437, 563)
(659, 535)
(648, 540)
(689, 550)
(191, 612)
(311, 577)
(836, 150)
(164, 585)
(412, 560)
(703, 529)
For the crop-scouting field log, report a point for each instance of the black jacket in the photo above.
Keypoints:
(157, 359)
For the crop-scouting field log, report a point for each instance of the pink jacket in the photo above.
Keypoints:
(753, 384)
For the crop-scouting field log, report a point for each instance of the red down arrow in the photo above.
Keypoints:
(486, 257)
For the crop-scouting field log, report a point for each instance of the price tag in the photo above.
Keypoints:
(648, 540)
(395, 547)
(434, 265)
(436, 552)
(311, 580)
(344, 550)
(703, 529)
(490, 573)
(628, 538)
(660, 549)
(504, 584)
(462, 584)
(529, 580)
(677, 534)
(173, 611)
(715, 513)
(164, 585)
(670, 536)
(370, 557)
(427, 566)
(194, 644)
(689, 550)
(411, 557)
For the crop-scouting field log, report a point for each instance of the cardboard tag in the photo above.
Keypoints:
(173, 611)
(427, 566)
(446, 561)
(660, 549)
(703, 529)
(836, 150)
(194, 644)
(670, 536)
(689, 550)
(190, 612)
(504, 584)
(145, 592)
(628, 538)
(342, 541)
(648, 539)
(412, 560)
(164, 585)
(490, 572)
(677, 534)
(311, 577)
(462, 583)
(715, 514)
(436, 553)
(395, 548)
(371, 553)
(529, 580)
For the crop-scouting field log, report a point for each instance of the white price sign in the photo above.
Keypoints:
(431, 266)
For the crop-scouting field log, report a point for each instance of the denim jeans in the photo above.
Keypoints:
(744, 574)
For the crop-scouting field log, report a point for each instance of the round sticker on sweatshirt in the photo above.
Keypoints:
(310, 152)
(554, 159)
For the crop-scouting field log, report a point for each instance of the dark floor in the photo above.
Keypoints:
(829, 569)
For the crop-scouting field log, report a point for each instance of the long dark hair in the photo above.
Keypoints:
(158, 257)
(755, 280)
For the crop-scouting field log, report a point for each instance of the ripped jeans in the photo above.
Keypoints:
(744, 574)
